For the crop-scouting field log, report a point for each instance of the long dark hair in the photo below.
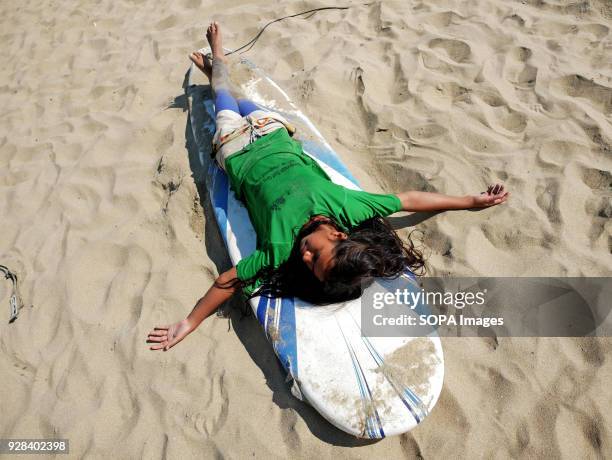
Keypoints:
(372, 250)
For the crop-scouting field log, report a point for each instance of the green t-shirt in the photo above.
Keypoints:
(282, 187)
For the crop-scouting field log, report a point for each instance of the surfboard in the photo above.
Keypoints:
(370, 387)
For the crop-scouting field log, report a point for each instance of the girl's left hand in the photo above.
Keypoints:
(494, 195)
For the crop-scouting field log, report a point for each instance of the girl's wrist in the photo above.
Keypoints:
(469, 202)
(191, 323)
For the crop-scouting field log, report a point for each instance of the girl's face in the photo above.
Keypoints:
(317, 249)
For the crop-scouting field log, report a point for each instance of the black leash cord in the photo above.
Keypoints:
(15, 303)
(254, 40)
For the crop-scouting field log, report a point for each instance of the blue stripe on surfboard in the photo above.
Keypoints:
(287, 343)
(364, 391)
(415, 406)
(220, 194)
(262, 309)
(419, 410)
(371, 401)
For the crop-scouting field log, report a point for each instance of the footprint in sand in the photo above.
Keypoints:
(594, 132)
(425, 134)
(511, 120)
(444, 95)
(597, 179)
(547, 198)
(403, 178)
(517, 69)
(600, 211)
(441, 20)
(456, 50)
(500, 114)
(491, 98)
(598, 31)
(578, 86)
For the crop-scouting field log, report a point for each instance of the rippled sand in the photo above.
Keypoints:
(102, 220)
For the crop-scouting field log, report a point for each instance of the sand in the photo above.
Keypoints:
(102, 220)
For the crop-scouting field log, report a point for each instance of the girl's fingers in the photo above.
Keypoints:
(158, 335)
(495, 189)
(502, 198)
(157, 347)
(156, 339)
(159, 332)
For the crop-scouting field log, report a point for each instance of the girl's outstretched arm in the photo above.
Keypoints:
(426, 201)
(166, 337)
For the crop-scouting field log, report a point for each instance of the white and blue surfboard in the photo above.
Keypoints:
(370, 387)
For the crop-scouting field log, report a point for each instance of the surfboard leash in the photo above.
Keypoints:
(15, 303)
(252, 42)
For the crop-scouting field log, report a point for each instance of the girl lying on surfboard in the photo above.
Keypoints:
(316, 240)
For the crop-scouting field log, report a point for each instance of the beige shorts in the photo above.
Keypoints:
(234, 131)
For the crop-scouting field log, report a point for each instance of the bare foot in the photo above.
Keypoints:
(213, 35)
(202, 62)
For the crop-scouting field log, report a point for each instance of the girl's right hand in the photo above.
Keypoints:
(167, 336)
